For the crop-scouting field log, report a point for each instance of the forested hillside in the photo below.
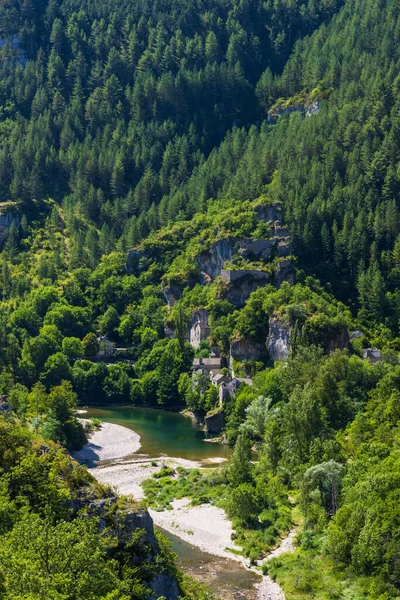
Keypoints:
(231, 166)
(108, 107)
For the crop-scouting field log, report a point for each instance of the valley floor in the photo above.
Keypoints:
(111, 451)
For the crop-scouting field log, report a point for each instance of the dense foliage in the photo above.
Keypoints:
(165, 127)
(64, 536)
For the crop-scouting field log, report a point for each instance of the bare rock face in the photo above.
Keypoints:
(242, 349)
(133, 258)
(172, 293)
(284, 248)
(215, 422)
(169, 332)
(133, 520)
(232, 276)
(269, 212)
(278, 342)
(340, 340)
(241, 283)
(6, 220)
(250, 248)
(211, 261)
(164, 586)
(284, 272)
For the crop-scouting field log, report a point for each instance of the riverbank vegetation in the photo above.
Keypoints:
(63, 535)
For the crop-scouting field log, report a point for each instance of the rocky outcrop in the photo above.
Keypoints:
(241, 283)
(130, 521)
(284, 249)
(284, 272)
(172, 293)
(278, 342)
(169, 332)
(250, 248)
(164, 586)
(134, 261)
(235, 275)
(6, 220)
(215, 422)
(125, 524)
(269, 212)
(242, 349)
(281, 231)
(210, 262)
(307, 110)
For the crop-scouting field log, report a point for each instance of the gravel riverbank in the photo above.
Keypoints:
(110, 442)
(204, 526)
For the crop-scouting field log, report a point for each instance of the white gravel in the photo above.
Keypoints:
(204, 526)
(127, 476)
(108, 443)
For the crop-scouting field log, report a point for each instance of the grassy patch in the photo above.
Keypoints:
(257, 535)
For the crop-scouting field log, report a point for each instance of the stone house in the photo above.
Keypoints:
(106, 346)
(218, 378)
(229, 390)
(199, 329)
(206, 365)
(372, 354)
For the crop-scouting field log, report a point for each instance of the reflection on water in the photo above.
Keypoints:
(162, 432)
(227, 578)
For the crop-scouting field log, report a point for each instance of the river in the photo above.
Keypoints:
(172, 434)
(162, 432)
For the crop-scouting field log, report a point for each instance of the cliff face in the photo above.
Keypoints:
(127, 523)
(243, 349)
(241, 283)
(284, 272)
(211, 262)
(278, 342)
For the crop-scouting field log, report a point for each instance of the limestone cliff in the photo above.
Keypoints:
(211, 261)
(278, 342)
(125, 520)
(240, 283)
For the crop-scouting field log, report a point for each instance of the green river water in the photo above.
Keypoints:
(162, 432)
(175, 435)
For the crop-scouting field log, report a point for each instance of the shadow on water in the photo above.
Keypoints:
(162, 432)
